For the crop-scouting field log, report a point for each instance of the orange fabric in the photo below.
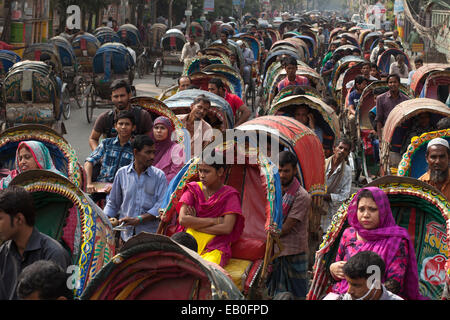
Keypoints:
(445, 188)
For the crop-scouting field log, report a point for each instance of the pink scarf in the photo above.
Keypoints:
(225, 201)
(385, 240)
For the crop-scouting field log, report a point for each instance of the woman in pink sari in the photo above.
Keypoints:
(169, 156)
(372, 228)
(211, 212)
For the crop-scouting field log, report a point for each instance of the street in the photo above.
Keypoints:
(78, 128)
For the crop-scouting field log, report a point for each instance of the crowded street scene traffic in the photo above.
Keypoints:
(291, 151)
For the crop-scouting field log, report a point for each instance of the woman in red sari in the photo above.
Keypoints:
(211, 212)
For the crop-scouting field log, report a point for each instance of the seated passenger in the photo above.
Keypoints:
(211, 212)
(112, 153)
(169, 155)
(292, 78)
(420, 124)
(30, 155)
(372, 227)
(304, 115)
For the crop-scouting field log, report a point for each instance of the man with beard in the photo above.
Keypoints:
(120, 96)
(200, 131)
(137, 192)
(339, 180)
(290, 268)
(438, 174)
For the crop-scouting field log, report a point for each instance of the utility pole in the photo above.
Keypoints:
(188, 14)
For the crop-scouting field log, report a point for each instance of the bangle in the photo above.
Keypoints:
(140, 219)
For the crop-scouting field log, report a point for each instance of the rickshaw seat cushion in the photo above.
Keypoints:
(248, 249)
(238, 270)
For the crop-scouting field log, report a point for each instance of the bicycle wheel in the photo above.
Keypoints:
(90, 104)
(80, 89)
(158, 74)
(66, 103)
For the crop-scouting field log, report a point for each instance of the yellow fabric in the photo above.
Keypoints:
(238, 270)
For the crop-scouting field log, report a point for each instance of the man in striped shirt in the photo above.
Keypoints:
(292, 79)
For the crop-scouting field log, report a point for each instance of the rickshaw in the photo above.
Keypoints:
(258, 182)
(63, 154)
(314, 79)
(399, 122)
(59, 202)
(286, 26)
(365, 148)
(111, 62)
(340, 67)
(417, 207)
(7, 60)
(155, 267)
(194, 64)
(275, 56)
(172, 44)
(384, 59)
(218, 45)
(85, 46)
(130, 37)
(106, 34)
(231, 74)
(437, 86)
(344, 78)
(367, 43)
(420, 76)
(197, 30)
(220, 114)
(292, 135)
(292, 90)
(153, 42)
(30, 93)
(214, 31)
(413, 163)
(350, 37)
(324, 115)
(297, 45)
(69, 74)
(49, 52)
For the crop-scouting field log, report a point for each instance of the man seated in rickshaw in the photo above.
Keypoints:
(112, 153)
(241, 112)
(211, 212)
(105, 123)
(419, 125)
(184, 82)
(438, 174)
(372, 227)
(353, 100)
(303, 114)
(365, 72)
(292, 78)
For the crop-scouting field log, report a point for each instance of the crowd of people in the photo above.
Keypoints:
(134, 159)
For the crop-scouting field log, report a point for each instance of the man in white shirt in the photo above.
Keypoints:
(380, 48)
(249, 58)
(339, 180)
(360, 272)
(190, 49)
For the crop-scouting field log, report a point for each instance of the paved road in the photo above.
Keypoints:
(78, 129)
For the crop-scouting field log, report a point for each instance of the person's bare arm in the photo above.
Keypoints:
(88, 167)
(244, 115)
(225, 225)
(187, 218)
(94, 139)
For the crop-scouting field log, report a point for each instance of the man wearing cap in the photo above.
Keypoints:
(438, 174)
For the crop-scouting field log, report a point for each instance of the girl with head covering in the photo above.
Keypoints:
(169, 155)
(30, 155)
(372, 228)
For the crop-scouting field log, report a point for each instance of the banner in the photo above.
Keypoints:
(236, 2)
(208, 5)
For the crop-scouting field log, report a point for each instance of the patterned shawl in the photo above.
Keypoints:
(385, 240)
(40, 154)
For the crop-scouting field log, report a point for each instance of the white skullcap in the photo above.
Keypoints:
(438, 141)
(239, 42)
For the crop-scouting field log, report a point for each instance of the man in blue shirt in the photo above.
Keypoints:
(112, 153)
(137, 192)
(353, 101)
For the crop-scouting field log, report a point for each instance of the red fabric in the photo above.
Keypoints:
(37, 55)
(5, 46)
(234, 101)
(248, 249)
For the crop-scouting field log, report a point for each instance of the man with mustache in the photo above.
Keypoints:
(438, 174)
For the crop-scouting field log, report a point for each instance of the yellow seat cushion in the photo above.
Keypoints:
(238, 270)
